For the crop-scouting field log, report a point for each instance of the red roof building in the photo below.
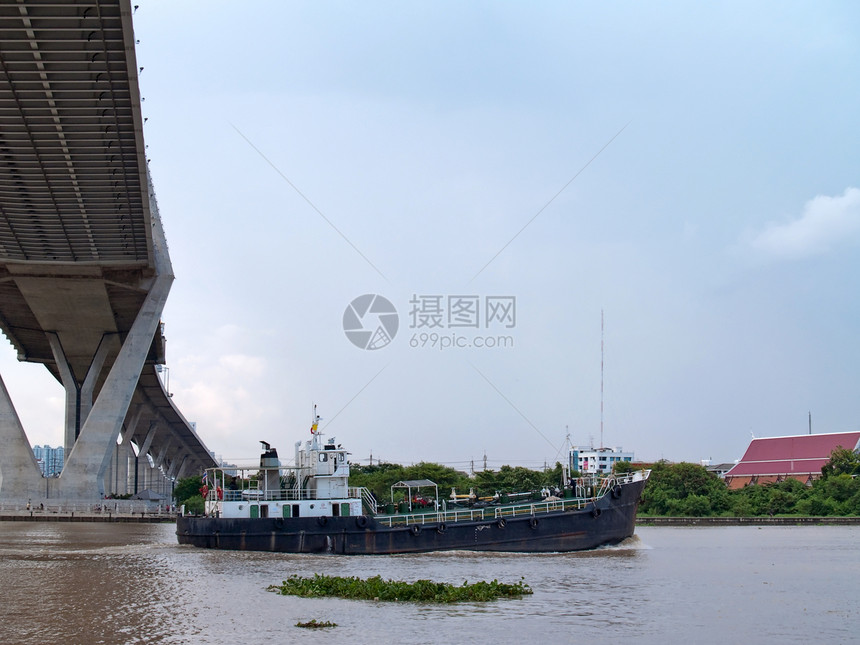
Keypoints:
(800, 457)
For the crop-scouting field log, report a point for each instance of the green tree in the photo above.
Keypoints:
(518, 479)
(622, 467)
(186, 488)
(842, 462)
(377, 479)
(695, 506)
(670, 486)
(840, 488)
(553, 476)
(487, 482)
(780, 502)
(443, 476)
(194, 505)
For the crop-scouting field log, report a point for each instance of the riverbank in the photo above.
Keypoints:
(748, 521)
(72, 516)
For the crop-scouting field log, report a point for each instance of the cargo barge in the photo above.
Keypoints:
(310, 508)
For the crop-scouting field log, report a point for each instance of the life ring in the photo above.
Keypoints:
(415, 529)
(219, 492)
(361, 521)
(322, 520)
(501, 522)
(441, 528)
(616, 492)
(204, 491)
(533, 522)
(595, 512)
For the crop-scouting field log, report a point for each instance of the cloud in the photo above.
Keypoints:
(242, 365)
(826, 221)
(225, 392)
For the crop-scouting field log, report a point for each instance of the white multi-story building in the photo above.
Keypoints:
(596, 460)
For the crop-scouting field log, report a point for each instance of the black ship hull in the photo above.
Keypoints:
(608, 520)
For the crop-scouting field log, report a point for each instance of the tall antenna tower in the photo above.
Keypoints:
(601, 379)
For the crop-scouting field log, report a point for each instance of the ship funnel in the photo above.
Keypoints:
(269, 459)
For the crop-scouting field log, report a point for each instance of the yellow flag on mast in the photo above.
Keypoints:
(316, 421)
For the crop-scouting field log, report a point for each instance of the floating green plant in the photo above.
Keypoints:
(375, 588)
(313, 623)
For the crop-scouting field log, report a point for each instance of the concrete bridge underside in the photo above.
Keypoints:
(84, 266)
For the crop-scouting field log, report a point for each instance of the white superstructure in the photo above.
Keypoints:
(316, 486)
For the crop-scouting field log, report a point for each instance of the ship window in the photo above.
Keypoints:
(264, 510)
(323, 456)
(340, 457)
(295, 510)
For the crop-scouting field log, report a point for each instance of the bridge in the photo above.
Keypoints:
(84, 265)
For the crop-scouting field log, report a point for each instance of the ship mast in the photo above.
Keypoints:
(601, 379)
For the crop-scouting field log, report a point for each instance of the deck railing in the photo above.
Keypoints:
(486, 513)
(288, 494)
(256, 494)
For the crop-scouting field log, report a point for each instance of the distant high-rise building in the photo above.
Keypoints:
(50, 460)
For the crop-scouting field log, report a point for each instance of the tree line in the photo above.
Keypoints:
(689, 490)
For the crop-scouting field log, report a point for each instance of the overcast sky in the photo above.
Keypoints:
(691, 170)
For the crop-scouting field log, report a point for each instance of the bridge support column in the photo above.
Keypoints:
(184, 468)
(79, 395)
(89, 459)
(126, 464)
(20, 477)
(126, 458)
(142, 466)
(161, 478)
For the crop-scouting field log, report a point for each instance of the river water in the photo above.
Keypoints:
(131, 583)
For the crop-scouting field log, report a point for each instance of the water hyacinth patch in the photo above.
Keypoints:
(313, 623)
(375, 588)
